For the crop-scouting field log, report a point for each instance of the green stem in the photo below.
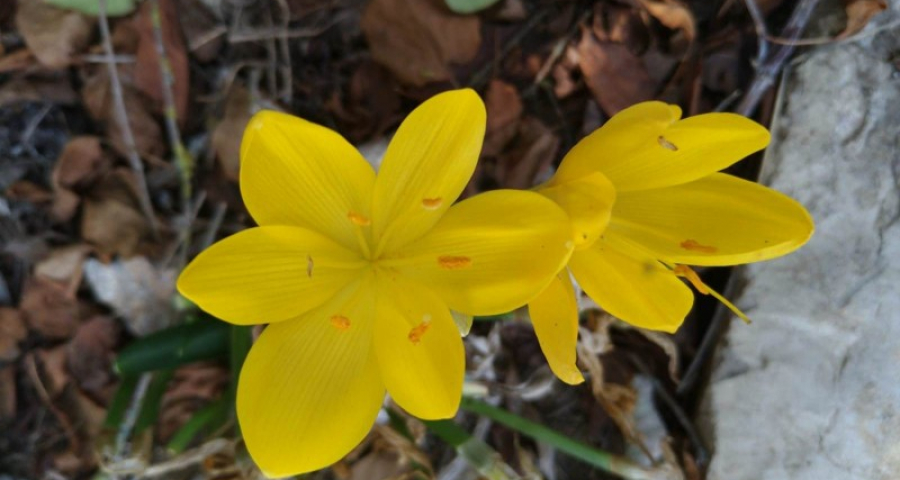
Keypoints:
(601, 459)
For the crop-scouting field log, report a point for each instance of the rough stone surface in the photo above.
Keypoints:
(811, 390)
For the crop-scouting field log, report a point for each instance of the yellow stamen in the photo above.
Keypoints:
(432, 203)
(695, 246)
(666, 144)
(340, 322)
(691, 276)
(359, 219)
(415, 335)
(453, 262)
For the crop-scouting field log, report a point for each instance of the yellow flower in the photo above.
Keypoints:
(645, 201)
(357, 275)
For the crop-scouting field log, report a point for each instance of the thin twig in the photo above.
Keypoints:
(287, 77)
(134, 158)
(131, 415)
(182, 158)
(771, 66)
(762, 34)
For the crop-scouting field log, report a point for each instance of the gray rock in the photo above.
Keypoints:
(811, 390)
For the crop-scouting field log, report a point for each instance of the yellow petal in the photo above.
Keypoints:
(426, 166)
(310, 389)
(294, 172)
(631, 285)
(554, 314)
(718, 220)
(588, 201)
(268, 274)
(490, 253)
(645, 147)
(419, 350)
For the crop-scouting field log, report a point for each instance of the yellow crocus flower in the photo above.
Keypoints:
(357, 274)
(645, 201)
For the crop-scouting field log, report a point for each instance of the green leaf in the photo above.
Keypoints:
(211, 417)
(152, 400)
(469, 6)
(203, 339)
(484, 459)
(120, 402)
(114, 8)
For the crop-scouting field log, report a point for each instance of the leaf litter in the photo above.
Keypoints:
(83, 276)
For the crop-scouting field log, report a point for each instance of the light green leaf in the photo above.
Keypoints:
(114, 8)
(469, 6)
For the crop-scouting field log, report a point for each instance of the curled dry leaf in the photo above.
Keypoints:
(48, 308)
(90, 354)
(859, 12)
(137, 292)
(63, 265)
(147, 68)
(533, 152)
(111, 220)
(12, 331)
(673, 14)
(80, 163)
(53, 35)
(504, 109)
(226, 137)
(418, 40)
(616, 77)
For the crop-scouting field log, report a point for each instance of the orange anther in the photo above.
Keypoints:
(340, 322)
(432, 203)
(358, 219)
(454, 262)
(415, 335)
(695, 246)
(690, 275)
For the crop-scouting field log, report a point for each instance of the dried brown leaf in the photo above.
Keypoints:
(859, 12)
(7, 393)
(226, 137)
(80, 163)
(63, 265)
(673, 14)
(53, 34)
(12, 331)
(418, 40)
(48, 308)
(504, 110)
(616, 77)
(111, 219)
(533, 152)
(90, 354)
(147, 68)
(53, 366)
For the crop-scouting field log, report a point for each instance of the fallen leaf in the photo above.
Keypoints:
(18, 60)
(7, 393)
(63, 265)
(469, 6)
(12, 331)
(372, 104)
(859, 12)
(621, 24)
(191, 387)
(49, 87)
(80, 163)
(418, 40)
(48, 308)
(203, 30)
(227, 135)
(139, 293)
(65, 205)
(97, 97)
(673, 14)
(148, 70)
(111, 220)
(534, 151)
(504, 109)
(90, 354)
(114, 8)
(53, 366)
(53, 34)
(28, 192)
(616, 77)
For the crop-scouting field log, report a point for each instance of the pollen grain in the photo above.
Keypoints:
(432, 203)
(416, 333)
(359, 219)
(340, 322)
(695, 246)
(454, 262)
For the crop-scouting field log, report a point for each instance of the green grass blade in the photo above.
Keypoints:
(175, 346)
